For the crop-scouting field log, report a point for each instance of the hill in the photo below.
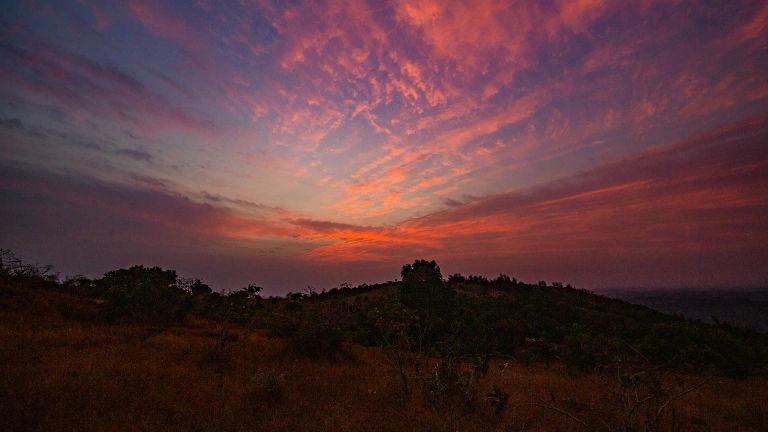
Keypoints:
(141, 349)
(742, 307)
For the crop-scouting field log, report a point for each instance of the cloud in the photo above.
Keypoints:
(80, 84)
(215, 198)
(11, 123)
(699, 198)
(332, 131)
(149, 182)
(134, 154)
(525, 83)
(488, 99)
(169, 25)
(691, 205)
(326, 226)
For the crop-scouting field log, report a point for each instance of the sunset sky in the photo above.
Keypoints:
(289, 143)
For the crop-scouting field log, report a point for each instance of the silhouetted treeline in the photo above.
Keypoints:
(462, 317)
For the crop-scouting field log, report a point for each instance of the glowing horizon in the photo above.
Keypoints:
(594, 142)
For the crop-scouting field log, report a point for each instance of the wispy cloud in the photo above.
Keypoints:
(373, 132)
(80, 84)
(699, 198)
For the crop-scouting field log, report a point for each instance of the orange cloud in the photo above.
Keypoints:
(677, 199)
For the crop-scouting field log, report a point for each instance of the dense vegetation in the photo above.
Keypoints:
(441, 354)
(461, 317)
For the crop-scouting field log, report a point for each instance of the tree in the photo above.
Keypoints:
(253, 291)
(422, 287)
(143, 293)
(429, 297)
(200, 288)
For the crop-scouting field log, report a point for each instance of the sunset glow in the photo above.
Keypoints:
(601, 143)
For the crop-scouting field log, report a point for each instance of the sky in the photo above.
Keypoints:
(601, 143)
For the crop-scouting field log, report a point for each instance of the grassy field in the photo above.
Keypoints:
(60, 370)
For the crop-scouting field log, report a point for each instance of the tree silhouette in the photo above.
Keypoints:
(145, 293)
(200, 288)
(423, 287)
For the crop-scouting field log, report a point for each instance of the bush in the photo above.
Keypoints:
(316, 337)
(578, 351)
(81, 286)
(498, 399)
(446, 386)
(21, 273)
(143, 294)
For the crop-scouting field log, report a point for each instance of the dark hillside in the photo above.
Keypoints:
(462, 317)
(143, 349)
(746, 308)
(552, 322)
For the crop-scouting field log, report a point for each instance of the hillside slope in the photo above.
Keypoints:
(62, 368)
(746, 308)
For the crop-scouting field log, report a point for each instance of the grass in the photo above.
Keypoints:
(62, 371)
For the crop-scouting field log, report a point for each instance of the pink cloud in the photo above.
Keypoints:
(674, 200)
(378, 116)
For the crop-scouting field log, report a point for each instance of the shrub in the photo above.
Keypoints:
(447, 386)
(318, 341)
(143, 294)
(81, 286)
(199, 288)
(316, 336)
(498, 399)
(578, 352)
(21, 273)
(240, 306)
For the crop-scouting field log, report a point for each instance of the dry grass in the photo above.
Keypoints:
(57, 373)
